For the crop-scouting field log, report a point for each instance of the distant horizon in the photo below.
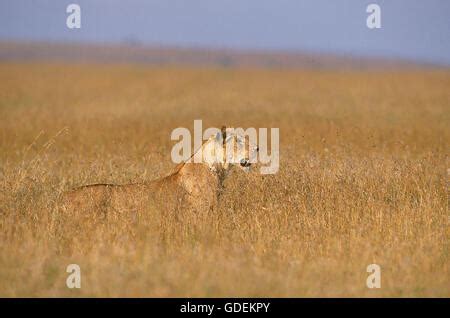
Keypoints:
(202, 47)
(411, 30)
(155, 54)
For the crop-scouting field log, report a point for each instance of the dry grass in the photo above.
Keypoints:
(362, 180)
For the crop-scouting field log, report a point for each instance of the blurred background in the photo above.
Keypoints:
(363, 115)
(306, 33)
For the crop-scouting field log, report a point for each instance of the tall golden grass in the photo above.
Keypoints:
(362, 180)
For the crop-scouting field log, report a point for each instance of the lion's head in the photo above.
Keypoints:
(227, 147)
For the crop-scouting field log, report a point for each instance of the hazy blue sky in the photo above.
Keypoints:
(414, 29)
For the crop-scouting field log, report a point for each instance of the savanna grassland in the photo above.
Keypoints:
(362, 180)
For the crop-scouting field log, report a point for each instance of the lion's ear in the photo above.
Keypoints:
(224, 133)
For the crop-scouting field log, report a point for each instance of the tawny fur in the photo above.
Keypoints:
(191, 185)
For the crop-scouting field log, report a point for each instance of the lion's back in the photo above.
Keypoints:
(86, 197)
(179, 190)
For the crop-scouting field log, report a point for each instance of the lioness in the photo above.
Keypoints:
(190, 185)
